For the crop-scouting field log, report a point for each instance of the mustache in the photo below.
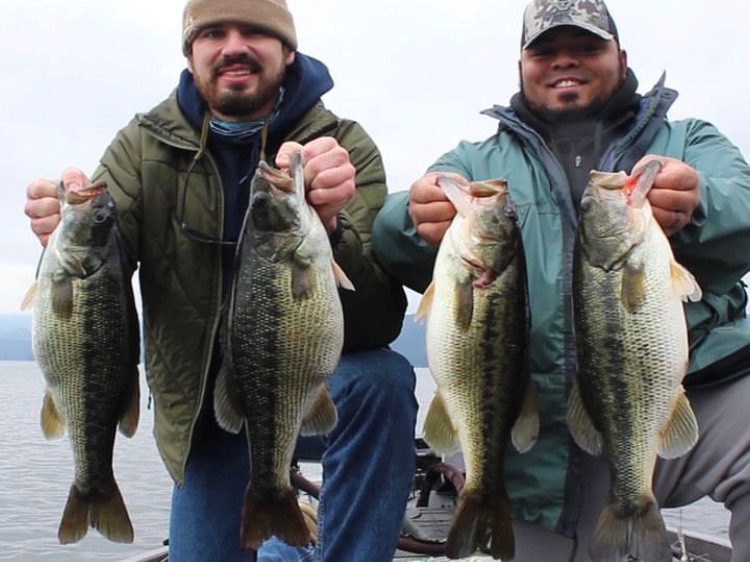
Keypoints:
(244, 59)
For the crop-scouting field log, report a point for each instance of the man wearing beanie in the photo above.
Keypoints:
(180, 177)
(578, 111)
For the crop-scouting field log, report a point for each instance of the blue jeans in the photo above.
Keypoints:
(368, 467)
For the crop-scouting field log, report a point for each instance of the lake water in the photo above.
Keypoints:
(35, 475)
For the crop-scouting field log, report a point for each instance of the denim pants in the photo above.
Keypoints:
(368, 467)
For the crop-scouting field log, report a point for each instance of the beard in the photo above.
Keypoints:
(237, 102)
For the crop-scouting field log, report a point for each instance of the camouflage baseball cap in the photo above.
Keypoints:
(543, 15)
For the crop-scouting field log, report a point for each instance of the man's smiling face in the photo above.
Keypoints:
(568, 69)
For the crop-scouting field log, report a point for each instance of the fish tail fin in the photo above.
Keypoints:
(74, 523)
(281, 516)
(641, 535)
(482, 524)
(109, 516)
(104, 512)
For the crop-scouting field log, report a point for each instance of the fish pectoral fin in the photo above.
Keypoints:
(684, 284)
(581, 425)
(30, 297)
(62, 297)
(303, 280)
(425, 303)
(51, 419)
(525, 430)
(633, 288)
(681, 431)
(340, 276)
(439, 431)
(226, 405)
(321, 417)
(129, 421)
(463, 303)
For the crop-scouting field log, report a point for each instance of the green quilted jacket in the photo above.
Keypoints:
(181, 280)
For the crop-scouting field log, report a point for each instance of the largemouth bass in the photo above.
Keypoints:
(628, 401)
(85, 341)
(476, 332)
(283, 336)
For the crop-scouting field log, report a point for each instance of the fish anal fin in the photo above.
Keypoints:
(633, 289)
(51, 419)
(439, 431)
(129, 421)
(681, 431)
(581, 425)
(525, 430)
(227, 409)
(684, 284)
(322, 415)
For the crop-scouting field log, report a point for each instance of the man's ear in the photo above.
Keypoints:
(190, 63)
(623, 62)
(289, 56)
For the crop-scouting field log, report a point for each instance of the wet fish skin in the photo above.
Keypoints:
(476, 318)
(283, 336)
(628, 402)
(86, 343)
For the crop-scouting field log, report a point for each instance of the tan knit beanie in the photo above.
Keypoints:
(270, 15)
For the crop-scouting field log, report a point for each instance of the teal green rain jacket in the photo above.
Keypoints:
(715, 247)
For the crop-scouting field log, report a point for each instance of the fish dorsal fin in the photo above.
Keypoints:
(581, 426)
(684, 284)
(526, 427)
(425, 303)
(322, 415)
(439, 431)
(681, 431)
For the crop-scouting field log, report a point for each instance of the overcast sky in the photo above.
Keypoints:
(415, 73)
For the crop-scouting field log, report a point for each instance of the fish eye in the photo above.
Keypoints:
(586, 203)
(260, 201)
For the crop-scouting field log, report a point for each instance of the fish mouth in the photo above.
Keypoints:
(78, 196)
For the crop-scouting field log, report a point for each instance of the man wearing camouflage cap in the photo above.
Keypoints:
(578, 110)
(180, 177)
